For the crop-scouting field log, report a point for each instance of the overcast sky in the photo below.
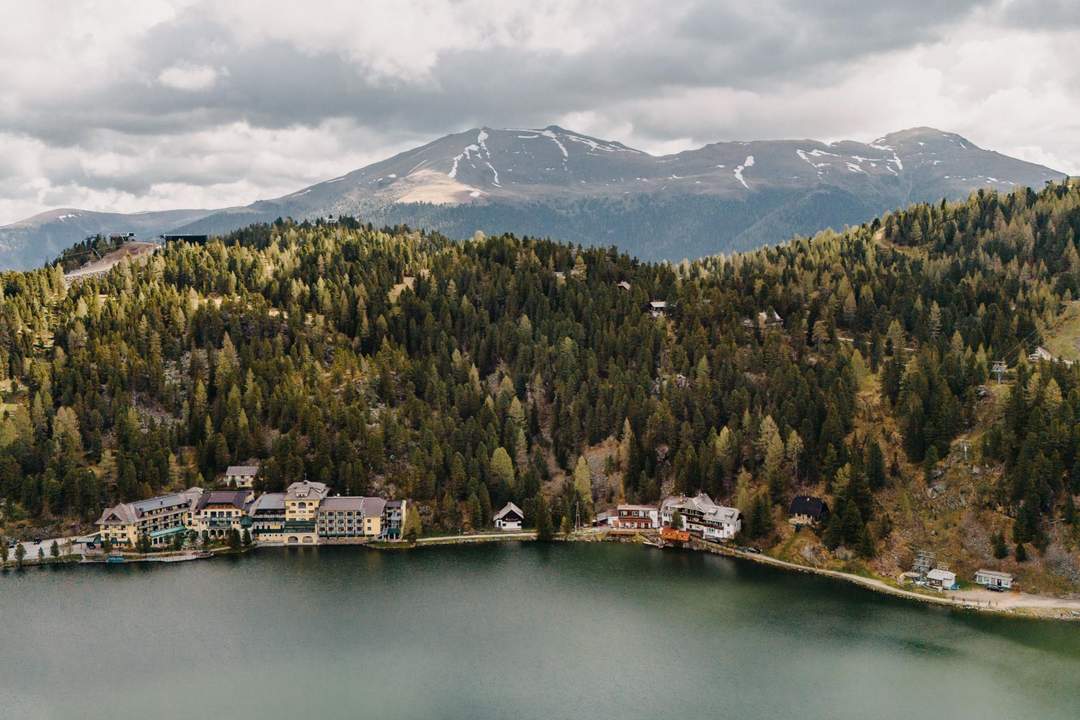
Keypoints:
(153, 104)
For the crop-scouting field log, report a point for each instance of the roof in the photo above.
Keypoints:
(241, 470)
(394, 504)
(269, 502)
(808, 505)
(339, 503)
(130, 512)
(703, 504)
(306, 489)
(995, 574)
(647, 508)
(367, 506)
(658, 304)
(939, 574)
(233, 498)
(507, 509)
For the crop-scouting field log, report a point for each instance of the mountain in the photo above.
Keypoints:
(31, 242)
(555, 182)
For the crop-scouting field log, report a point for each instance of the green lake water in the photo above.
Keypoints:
(507, 631)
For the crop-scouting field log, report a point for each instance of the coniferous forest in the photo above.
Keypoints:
(857, 366)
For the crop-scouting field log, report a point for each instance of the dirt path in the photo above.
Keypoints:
(983, 600)
(100, 267)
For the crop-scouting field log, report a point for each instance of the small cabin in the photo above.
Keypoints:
(941, 579)
(624, 285)
(509, 518)
(807, 510)
(605, 518)
(241, 476)
(659, 308)
(994, 580)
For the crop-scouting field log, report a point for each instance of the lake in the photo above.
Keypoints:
(508, 631)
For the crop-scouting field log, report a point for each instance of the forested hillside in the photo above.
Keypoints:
(467, 374)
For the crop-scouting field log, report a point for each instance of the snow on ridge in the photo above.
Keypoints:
(465, 154)
(480, 138)
(748, 162)
(555, 138)
(494, 172)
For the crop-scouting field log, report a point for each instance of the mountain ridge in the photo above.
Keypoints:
(724, 196)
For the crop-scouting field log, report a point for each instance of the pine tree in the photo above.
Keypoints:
(545, 532)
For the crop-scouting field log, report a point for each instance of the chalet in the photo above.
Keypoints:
(158, 519)
(941, 579)
(994, 580)
(807, 510)
(659, 308)
(509, 518)
(1041, 354)
(217, 512)
(701, 516)
(241, 476)
(636, 517)
(624, 285)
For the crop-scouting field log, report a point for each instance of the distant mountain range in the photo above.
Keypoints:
(719, 198)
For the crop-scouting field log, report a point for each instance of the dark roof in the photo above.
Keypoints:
(236, 498)
(808, 505)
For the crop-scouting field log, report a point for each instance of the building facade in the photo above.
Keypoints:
(701, 516)
(636, 517)
(241, 476)
(509, 518)
(218, 511)
(268, 518)
(302, 500)
(158, 519)
(350, 519)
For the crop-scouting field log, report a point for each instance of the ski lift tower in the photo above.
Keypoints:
(999, 369)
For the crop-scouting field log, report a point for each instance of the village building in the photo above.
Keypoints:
(393, 522)
(624, 285)
(701, 516)
(807, 510)
(158, 519)
(350, 519)
(941, 579)
(658, 308)
(268, 518)
(769, 318)
(241, 476)
(994, 580)
(302, 500)
(509, 518)
(218, 511)
(636, 517)
(606, 518)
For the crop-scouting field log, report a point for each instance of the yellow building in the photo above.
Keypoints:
(159, 519)
(302, 500)
(219, 511)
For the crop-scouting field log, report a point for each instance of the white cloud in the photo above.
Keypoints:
(152, 104)
(189, 77)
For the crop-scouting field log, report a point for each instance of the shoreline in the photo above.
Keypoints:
(1007, 604)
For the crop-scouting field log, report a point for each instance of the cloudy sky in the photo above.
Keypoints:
(153, 104)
